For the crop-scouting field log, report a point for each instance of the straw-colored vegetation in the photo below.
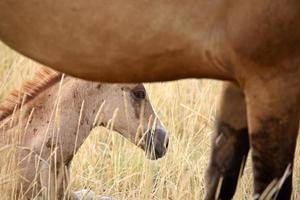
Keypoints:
(111, 166)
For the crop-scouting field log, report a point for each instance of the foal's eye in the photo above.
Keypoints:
(139, 94)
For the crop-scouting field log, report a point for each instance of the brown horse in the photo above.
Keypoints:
(57, 117)
(253, 44)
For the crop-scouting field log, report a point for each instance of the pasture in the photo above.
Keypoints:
(111, 166)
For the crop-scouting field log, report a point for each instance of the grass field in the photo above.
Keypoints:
(111, 166)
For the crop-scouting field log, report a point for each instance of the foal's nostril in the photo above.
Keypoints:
(157, 143)
(161, 142)
(158, 154)
(167, 143)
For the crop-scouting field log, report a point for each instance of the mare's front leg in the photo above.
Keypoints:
(273, 113)
(230, 144)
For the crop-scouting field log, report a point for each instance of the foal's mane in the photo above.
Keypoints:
(43, 79)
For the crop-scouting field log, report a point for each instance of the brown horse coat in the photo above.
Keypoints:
(254, 44)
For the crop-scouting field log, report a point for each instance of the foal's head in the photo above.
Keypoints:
(128, 110)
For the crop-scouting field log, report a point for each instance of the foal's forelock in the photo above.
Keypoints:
(43, 79)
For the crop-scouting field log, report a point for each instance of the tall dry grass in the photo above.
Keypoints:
(111, 166)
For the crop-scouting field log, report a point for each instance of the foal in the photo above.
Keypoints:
(57, 115)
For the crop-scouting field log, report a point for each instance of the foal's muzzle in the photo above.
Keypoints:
(157, 143)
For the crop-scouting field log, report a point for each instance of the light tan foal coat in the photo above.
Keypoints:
(59, 114)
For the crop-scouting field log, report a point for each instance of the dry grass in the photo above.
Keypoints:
(110, 165)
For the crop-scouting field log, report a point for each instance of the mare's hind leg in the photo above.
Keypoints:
(230, 144)
(273, 115)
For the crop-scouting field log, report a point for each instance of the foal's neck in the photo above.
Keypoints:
(79, 106)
